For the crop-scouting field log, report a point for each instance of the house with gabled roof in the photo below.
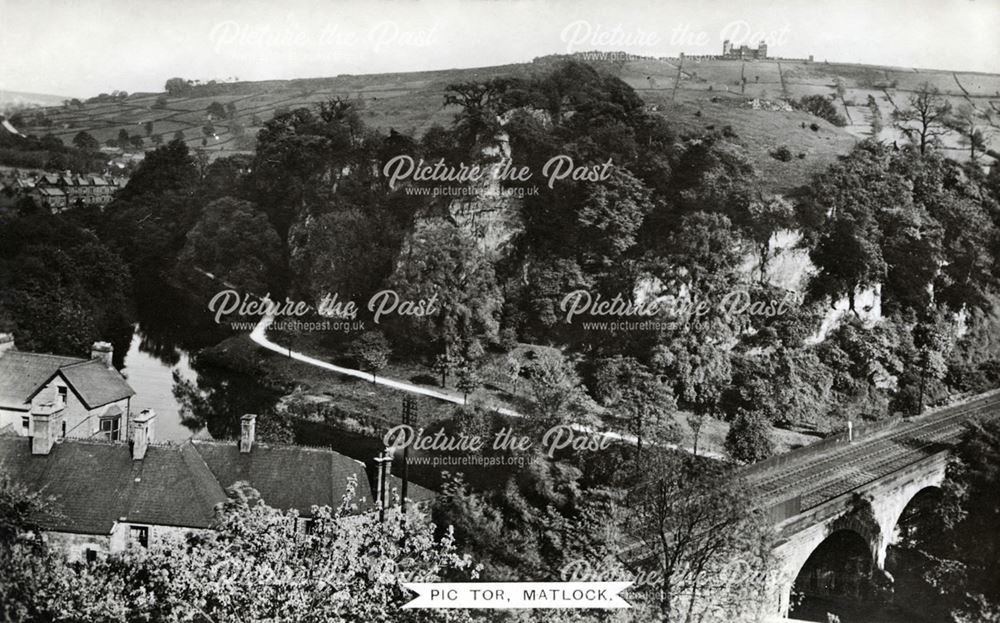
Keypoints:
(94, 397)
(110, 496)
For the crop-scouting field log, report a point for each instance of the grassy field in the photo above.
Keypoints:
(695, 95)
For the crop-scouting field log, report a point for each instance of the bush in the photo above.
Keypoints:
(814, 126)
(822, 107)
(782, 153)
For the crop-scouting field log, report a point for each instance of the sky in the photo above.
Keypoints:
(85, 47)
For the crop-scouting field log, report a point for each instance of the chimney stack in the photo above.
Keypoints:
(142, 433)
(103, 351)
(46, 422)
(248, 426)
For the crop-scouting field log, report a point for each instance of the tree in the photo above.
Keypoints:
(823, 108)
(371, 351)
(765, 218)
(964, 544)
(876, 117)
(177, 87)
(445, 265)
(468, 380)
(611, 215)
(967, 122)
(698, 529)
(926, 119)
(136, 141)
(148, 127)
(234, 241)
(849, 258)
(51, 142)
(257, 566)
(60, 287)
(749, 439)
(349, 251)
(19, 511)
(702, 369)
(623, 384)
(555, 387)
(123, 138)
(932, 340)
(480, 103)
(83, 140)
(444, 363)
(216, 110)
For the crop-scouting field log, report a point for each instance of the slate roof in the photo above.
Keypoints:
(288, 476)
(96, 483)
(96, 383)
(23, 374)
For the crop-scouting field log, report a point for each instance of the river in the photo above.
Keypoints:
(191, 399)
(151, 375)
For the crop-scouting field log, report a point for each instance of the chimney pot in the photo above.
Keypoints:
(103, 351)
(248, 426)
(142, 433)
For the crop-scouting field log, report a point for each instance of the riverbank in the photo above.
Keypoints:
(358, 405)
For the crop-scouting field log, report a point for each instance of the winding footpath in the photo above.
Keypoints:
(259, 337)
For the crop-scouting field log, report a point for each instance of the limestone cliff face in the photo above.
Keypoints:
(486, 211)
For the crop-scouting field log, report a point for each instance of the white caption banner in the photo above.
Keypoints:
(507, 595)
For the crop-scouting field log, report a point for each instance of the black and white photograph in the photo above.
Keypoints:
(515, 311)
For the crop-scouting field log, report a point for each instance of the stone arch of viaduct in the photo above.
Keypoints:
(871, 511)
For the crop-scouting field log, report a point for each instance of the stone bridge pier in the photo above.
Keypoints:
(871, 511)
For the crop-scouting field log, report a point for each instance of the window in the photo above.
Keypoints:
(63, 393)
(25, 423)
(64, 428)
(138, 535)
(91, 555)
(110, 428)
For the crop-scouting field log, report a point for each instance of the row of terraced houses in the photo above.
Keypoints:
(60, 191)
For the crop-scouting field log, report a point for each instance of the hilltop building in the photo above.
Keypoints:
(78, 397)
(744, 52)
(111, 496)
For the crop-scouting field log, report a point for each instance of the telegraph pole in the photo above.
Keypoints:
(409, 415)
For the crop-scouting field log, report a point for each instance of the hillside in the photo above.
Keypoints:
(21, 98)
(696, 95)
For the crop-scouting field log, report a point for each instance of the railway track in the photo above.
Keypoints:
(827, 474)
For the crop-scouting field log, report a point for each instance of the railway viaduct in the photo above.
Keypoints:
(861, 482)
